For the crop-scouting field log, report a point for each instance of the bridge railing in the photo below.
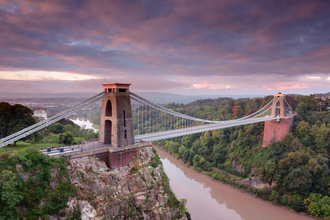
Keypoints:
(71, 149)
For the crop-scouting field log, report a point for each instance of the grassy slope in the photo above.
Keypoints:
(21, 145)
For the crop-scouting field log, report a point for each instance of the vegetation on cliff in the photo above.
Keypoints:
(35, 186)
(32, 185)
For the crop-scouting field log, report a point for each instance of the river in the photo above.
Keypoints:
(209, 199)
(82, 123)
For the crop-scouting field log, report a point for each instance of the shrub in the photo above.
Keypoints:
(134, 170)
(297, 203)
(284, 199)
(274, 196)
(183, 203)
(289, 201)
(5, 155)
(214, 176)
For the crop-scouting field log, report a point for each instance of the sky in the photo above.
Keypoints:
(189, 47)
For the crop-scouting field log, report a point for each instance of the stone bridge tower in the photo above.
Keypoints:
(275, 131)
(116, 126)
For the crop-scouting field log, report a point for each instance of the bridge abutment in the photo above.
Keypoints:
(275, 131)
(113, 157)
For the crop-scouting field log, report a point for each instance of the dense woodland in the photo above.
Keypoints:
(297, 168)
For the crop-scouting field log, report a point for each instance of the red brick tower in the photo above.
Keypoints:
(275, 131)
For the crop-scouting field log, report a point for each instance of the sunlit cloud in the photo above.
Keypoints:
(201, 86)
(293, 86)
(313, 77)
(42, 75)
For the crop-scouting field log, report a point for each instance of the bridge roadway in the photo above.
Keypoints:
(81, 150)
(198, 129)
(144, 140)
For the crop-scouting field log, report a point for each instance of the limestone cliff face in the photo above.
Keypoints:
(138, 191)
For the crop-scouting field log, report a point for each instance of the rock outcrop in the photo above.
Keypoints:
(254, 182)
(137, 191)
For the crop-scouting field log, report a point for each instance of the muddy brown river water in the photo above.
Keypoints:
(210, 199)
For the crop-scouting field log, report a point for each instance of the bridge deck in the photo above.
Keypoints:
(145, 140)
(198, 129)
(89, 149)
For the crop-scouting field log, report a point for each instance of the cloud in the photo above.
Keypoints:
(179, 45)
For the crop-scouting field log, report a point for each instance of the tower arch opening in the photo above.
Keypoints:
(107, 132)
(108, 109)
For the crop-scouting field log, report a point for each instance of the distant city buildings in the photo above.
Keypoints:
(41, 112)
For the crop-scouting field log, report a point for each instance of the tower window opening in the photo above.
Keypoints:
(122, 90)
(125, 134)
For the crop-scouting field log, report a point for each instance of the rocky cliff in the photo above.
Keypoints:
(138, 191)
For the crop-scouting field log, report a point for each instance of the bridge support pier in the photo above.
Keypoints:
(275, 131)
(116, 123)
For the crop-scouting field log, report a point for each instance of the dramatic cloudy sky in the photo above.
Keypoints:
(178, 46)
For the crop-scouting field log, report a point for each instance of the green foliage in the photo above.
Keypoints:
(298, 204)
(284, 200)
(66, 138)
(17, 194)
(14, 118)
(274, 196)
(155, 161)
(183, 203)
(318, 205)
(10, 197)
(67, 132)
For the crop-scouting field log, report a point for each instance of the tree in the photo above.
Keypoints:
(219, 154)
(182, 150)
(267, 172)
(321, 137)
(298, 204)
(66, 138)
(236, 111)
(318, 205)
(302, 130)
(5, 116)
(14, 118)
(274, 196)
(296, 145)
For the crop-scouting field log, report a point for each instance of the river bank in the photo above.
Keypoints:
(211, 199)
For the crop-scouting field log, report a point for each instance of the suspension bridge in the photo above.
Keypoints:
(128, 119)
